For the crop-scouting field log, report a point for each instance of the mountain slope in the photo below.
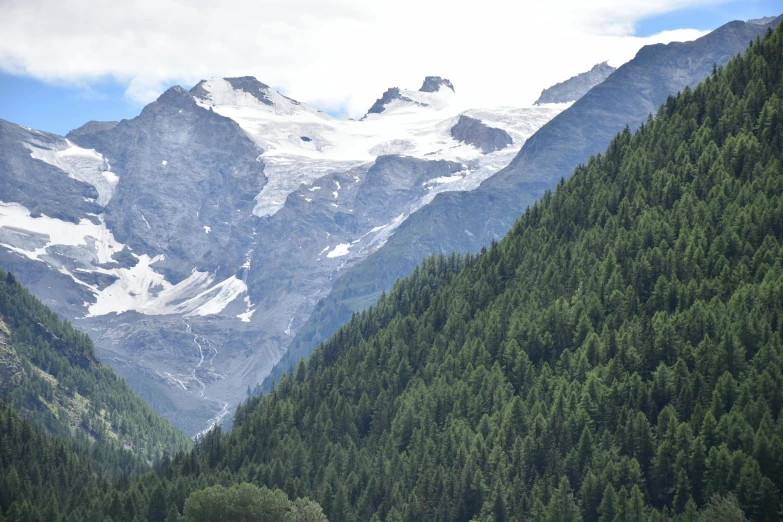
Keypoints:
(577, 86)
(617, 356)
(465, 222)
(48, 479)
(194, 240)
(49, 372)
(42, 474)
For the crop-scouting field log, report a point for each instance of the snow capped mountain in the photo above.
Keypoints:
(435, 92)
(301, 143)
(193, 240)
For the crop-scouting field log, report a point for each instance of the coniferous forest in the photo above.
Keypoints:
(617, 357)
(51, 374)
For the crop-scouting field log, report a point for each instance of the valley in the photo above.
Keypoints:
(232, 305)
(238, 252)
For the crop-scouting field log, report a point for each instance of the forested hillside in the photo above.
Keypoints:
(51, 479)
(49, 372)
(616, 357)
(40, 474)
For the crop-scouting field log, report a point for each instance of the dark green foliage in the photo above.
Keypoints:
(330, 314)
(43, 477)
(616, 357)
(64, 389)
(51, 479)
(248, 503)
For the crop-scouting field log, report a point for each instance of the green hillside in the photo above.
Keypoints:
(617, 356)
(49, 372)
(41, 474)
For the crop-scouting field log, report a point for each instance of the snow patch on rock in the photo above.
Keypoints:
(85, 165)
(343, 249)
(34, 237)
(142, 289)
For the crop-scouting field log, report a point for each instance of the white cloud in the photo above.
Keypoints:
(335, 54)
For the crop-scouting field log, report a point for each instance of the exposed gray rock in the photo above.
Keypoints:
(389, 96)
(182, 168)
(39, 186)
(91, 127)
(576, 86)
(251, 86)
(434, 83)
(189, 179)
(474, 132)
(431, 84)
(124, 258)
(199, 91)
(248, 84)
(762, 21)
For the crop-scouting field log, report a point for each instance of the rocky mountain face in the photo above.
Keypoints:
(432, 84)
(467, 221)
(577, 86)
(91, 127)
(193, 241)
(435, 83)
(474, 132)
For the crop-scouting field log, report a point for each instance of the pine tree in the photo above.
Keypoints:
(562, 507)
(608, 508)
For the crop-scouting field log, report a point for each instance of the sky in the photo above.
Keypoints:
(63, 63)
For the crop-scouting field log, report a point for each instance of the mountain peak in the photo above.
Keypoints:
(244, 91)
(92, 127)
(434, 84)
(391, 94)
(762, 21)
(175, 96)
(603, 66)
(248, 84)
(252, 86)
